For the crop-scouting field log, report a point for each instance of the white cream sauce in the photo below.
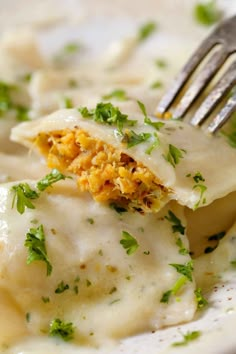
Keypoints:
(139, 279)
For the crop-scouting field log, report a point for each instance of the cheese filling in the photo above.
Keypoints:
(108, 174)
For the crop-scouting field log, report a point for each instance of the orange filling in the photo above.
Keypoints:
(108, 174)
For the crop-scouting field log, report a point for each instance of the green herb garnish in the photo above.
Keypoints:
(45, 299)
(198, 177)
(23, 194)
(156, 85)
(35, 242)
(202, 200)
(118, 94)
(130, 138)
(201, 301)
(207, 13)
(176, 223)
(62, 329)
(129, 243)
(154, 145)
(188, 337)
(106, 113)
(184, 269)
(67, 102)
(146, 30)
(176, 287)
(182, 249)
(161, 63)
(147, 120)
(51, 178)
(61, 287)
(174, 155)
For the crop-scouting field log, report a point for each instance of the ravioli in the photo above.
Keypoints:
(176, 162)
(106, 291)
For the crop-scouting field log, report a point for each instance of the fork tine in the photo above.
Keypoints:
(204, 77)
(224, 85)
(223, 115)
(184, 75)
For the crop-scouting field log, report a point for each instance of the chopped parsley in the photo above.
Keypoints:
(201, 301)
(62, 329)
(182, 249)
(177, 285)
(88, 283)
(129, 243)
(156, 84)
(176, 222)
(45, 299)
(166, 296)
(61, 287)
(118, 208)
(188, 337)
(51, 178)
(27, 317)
(106, 113)
(184, 269)
(7, 104)
(67, 102)
(117, 94)
(35, 242)
(146, 30)
(23, 194)
(202, 200)
(130, 138)
(154, 145)
(207, 13)
(67, 51)
(198, 177)
(90, 221)
(147, 120)
(161, 63)
(174, 155)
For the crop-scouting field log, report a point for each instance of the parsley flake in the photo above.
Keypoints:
(62, 329)
(147, 120)
(188, 337)
(198, 177)
(67, 102)
(207, 13)
(35, 242)
(146, 30)
(156, 85)
(129, 243)
(130, 138)
(106, 113)
(51, 178)
(23, 194)
(117, 94)
(202, 200)
(176, 287)
(154, 145)
(176, 223)
(161, 63)
(201, 301)
(184, 269)
(174, 155)
(61, 287)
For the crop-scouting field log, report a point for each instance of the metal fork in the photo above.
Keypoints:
(225, 36)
